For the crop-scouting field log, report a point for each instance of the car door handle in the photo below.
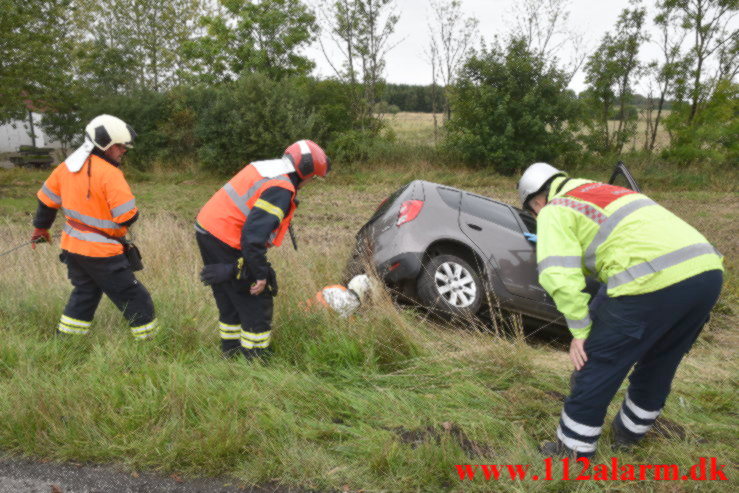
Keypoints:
(474, 226)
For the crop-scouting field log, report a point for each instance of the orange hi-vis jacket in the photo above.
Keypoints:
(99, 198)
(225, 214)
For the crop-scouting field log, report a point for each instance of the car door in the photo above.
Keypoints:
(493, 227)
(622, 177)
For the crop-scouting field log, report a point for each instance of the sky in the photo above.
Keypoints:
(407, 63)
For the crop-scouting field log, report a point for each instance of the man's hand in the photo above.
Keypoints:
(577, 353)
(40, 236)
(258, 287)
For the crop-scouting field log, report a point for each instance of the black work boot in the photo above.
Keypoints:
(623, 439)
(230, 348)
(257, 354)
(559, 449)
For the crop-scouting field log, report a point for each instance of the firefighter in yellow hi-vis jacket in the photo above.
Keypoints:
(662, 278)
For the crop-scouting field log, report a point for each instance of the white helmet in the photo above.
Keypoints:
(107, 130)
(361, 285)
(534, 179)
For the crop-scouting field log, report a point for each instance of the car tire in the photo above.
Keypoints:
(449, 286)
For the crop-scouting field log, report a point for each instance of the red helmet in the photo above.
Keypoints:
(308, 158)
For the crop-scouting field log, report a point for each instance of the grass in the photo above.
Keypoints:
(385, 401)
(418, 128)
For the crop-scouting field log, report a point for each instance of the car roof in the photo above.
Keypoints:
(449, 187)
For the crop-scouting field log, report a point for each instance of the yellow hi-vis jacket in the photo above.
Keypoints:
(623, 238)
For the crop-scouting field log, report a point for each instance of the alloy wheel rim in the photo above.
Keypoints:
(455, 284)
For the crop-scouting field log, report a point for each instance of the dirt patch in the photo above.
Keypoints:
(557, 396)
(434, 434)
(665, 428)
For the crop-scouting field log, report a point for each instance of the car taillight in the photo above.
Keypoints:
(409, 211)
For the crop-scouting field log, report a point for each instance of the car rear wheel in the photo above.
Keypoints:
(450, 286)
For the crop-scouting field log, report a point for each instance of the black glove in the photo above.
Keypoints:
(217, 273)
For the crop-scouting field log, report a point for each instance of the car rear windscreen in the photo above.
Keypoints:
(385, 204)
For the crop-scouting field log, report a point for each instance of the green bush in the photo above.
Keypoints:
(254, 118)
(353, 145)
(510, 108)
(223, 126)
(257, 117)
(146, 112)
(711, 136)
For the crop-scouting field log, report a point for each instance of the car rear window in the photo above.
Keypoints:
(385, 204)
(449, 196)
(528, 220)
(490, 210)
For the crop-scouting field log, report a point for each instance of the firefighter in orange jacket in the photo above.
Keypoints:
(98, 207)
(234, 229)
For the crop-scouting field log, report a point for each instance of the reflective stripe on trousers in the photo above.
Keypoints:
(251, 340)
(145, 331)
(69, 325)
(230, 331)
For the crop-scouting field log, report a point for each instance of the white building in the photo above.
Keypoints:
(17, 133)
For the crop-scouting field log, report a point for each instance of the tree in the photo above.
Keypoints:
(246, 36)
(34, 49)
(544, 25)
(62, 120)
(134, 44)
(452, 36)
(666, 74)
(711, 136)
(610, 72)
(708, 23)
(361, 30)
(511, 108)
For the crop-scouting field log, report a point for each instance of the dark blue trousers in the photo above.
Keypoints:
(649, 332)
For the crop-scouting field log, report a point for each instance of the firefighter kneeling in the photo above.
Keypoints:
(249, 214)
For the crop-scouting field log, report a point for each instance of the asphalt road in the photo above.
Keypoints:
(26, 476)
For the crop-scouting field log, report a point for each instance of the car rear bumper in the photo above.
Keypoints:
(401, 267)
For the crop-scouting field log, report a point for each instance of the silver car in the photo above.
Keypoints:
(455, 252)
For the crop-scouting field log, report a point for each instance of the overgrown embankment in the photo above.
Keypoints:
(384, 401)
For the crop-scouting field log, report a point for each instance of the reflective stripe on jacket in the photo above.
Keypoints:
(97, 196)
(626, 240)
(225, 213)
